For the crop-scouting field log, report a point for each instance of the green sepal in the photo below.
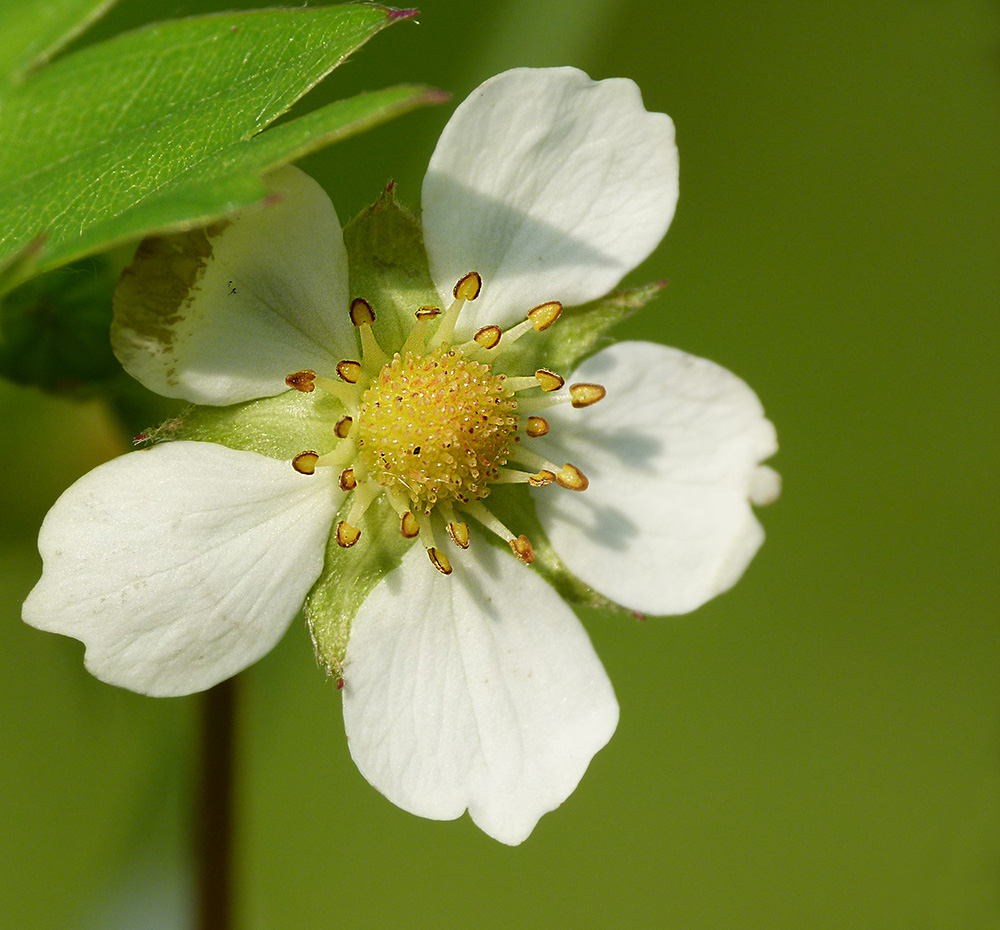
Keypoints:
(577, 334)
(54, 328)
(514, 506)
(279, 427)
(388, 267)
(348, 577)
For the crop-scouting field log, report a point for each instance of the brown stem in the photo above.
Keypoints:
(214, 825)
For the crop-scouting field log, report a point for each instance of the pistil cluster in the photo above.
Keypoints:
(433, 427)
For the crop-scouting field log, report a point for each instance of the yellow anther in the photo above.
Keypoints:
(347, 535)
(584, 395)
(543, 478)
(304, 381)
(549, 380)
(343, 427)
(305, 463)
(361, 312)
(349, 371)
(489, 336)
(544, 315)
(426, 314)
(521, 547)
(347, 480)
(536, 426)
(459, 533)
(468, 286)
(572, 478)
(408, 525)
(439, 560)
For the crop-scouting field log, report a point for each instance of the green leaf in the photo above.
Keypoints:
(32, 31)
(161, 127)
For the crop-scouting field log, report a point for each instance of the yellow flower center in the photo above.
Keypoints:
(438, 424)
(433, 427)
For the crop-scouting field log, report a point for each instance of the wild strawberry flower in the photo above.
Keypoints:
(372, 411)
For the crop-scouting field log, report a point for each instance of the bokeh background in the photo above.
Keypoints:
(819, 748)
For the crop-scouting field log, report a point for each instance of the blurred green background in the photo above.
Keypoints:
(818, 748)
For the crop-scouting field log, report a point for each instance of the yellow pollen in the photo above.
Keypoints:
(437, 426)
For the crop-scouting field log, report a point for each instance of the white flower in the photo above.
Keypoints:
(181, 564)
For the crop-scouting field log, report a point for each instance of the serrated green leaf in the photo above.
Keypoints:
(32, 31)
(160, 126)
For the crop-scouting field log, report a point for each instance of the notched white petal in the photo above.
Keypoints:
(180, 565)
(673, 455)
(480, 690)
(220, 315)
(551, 185)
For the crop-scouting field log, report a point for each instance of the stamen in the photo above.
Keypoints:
(537, 426)
(467, 288)
(536, 402)
(349, 371)
(439, 560)
(362, 316)
(544, 315)
(583, 394)
(361, 312)
(488, 337)
(533, 459)
(569, 476)
(347, 480)
(521, 547)
(415, 340)
(408, 525)
(515, 333)
(305, 463)
(457, 530)
(572, 478)
(343, 454)
(459, 533)
(347, 535)
(519, 544)
(542, 479)
(343, 427)
(513, 476)
(549, 380)
(539, 318)
(364, 494)
(344, 392)
(304, 381)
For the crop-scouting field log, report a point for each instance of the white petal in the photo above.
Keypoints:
(180, 565)
(672, 454)
(480, 690)
(221, 315)
(551, 186)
